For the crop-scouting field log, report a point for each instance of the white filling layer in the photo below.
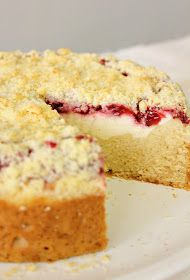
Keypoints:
(104, 126)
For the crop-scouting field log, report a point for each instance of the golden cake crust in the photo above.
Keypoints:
(45, 230)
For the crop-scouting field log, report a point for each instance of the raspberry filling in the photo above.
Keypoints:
(3, 164)
(18, 157)
(51, 144)
(86, 137)
(104, 62)
(152, 115)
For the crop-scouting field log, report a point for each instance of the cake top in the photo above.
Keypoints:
(87, 79)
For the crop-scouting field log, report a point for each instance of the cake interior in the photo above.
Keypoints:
(158, 153)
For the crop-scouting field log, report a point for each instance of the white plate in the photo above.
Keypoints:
(149, 230)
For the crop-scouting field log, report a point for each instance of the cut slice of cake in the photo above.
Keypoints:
(52, 186)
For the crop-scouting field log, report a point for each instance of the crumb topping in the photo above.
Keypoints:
(41, 156)
(86, 79)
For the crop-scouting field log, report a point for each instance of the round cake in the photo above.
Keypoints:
(58, 111)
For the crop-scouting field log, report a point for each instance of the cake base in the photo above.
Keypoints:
(51, 230)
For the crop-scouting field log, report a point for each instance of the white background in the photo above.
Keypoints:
(90, 25)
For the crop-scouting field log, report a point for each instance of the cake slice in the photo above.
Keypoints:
(52, 186)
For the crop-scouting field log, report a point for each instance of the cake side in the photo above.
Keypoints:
(48, 230)
(162, 157)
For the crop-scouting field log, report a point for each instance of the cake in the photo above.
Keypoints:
(52, 184)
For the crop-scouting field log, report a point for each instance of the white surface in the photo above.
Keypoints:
(149, 226)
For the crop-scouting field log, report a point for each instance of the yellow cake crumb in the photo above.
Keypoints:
(31, 267)
(11, 273)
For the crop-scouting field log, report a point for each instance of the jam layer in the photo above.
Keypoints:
(151, 116)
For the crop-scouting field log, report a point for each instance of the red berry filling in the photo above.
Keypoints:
(3, 164)
(86, 137)
(102, 61)
(152, 115)
(125, 74)
(180, 115)
(51, 144)
(101, 170)
(80, 137)
(117, 110)
(30, 151)
(20, 156)
(60, 107)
